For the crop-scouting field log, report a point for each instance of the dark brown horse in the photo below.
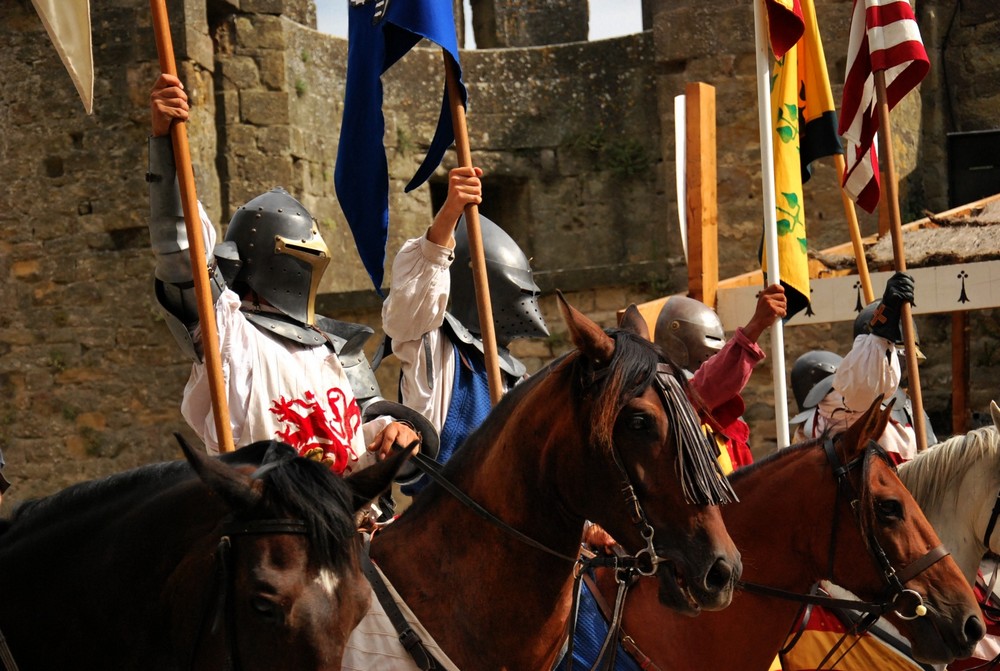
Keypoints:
(565, 446)
(804, 516)
(171, 567)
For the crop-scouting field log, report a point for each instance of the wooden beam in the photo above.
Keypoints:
(702, 197)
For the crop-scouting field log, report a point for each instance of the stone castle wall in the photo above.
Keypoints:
(576, 138)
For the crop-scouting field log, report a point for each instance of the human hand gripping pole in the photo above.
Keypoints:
(189, 202)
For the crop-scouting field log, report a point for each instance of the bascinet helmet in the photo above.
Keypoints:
(283, 256)
(689, 332)
(813, 371)
(864, 318)
(513, 292)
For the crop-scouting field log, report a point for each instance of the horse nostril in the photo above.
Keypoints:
(974, 629)
(720, 576)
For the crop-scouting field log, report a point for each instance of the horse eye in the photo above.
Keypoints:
(267, 610)
(639, 422)
(889, 510)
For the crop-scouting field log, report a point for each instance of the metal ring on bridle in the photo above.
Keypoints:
(908, 604)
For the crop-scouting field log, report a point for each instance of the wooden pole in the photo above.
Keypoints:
(479, 277)
(959, 372)
(192, 220)
(702, 199)
(770, 217)
(899, 259)
(855, 230)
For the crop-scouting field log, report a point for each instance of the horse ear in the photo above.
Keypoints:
(632, 321)
(369, 482)
(867, 427)
(995, 413)
(235, 487)
(589, 338)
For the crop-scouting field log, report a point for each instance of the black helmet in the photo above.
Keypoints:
(688, 332)
(513, 292)
(811, 369)
(862, 325)
(281, 251)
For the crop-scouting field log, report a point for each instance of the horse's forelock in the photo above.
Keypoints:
(631, 370)
(308, 491)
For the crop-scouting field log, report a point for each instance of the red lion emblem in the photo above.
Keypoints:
(313, 434)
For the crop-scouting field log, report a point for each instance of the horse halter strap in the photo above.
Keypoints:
(993, 521)
(907, 603)
(224, 605)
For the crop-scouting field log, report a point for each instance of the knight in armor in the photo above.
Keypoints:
(871, 368)
(443, 370)
(691, 335)
(291, 374)
(812, 380)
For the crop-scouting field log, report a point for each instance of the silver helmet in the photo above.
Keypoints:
(281, 251)
(513, 292)
(688, 332)
(813, 372)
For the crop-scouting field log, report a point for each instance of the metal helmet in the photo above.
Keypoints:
(689, 332)
(863, 320)
(811, 369)
(513, 292)
(282, 253)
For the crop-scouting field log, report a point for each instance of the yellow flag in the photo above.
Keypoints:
(791, 218)
(68, 25)
(804, 128)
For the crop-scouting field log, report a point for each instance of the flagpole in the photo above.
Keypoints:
(770, 217)
(899, 259)
(855, 230)
(199, 270)
(476, 251)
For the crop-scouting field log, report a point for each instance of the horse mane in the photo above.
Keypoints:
(936, 472)
(745, 471)
(293, 486)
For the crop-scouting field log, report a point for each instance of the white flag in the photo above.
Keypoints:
(68, 25)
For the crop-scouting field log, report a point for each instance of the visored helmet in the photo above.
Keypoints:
(283, 256)
(811, 369)
(689, 332)
(513, 292)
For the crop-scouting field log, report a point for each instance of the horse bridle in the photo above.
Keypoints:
(225, 608)
(908, 604)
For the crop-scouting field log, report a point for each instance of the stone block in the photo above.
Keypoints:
(264, 108)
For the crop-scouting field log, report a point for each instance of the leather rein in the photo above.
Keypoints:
(908, 604)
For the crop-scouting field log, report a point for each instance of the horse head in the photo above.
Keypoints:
(650, 476)
(911, 574)
(290, 589)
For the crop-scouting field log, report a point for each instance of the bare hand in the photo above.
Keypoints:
(167, 103)
(396, 435)
(597, 539)
(771, 306)
(464, 188)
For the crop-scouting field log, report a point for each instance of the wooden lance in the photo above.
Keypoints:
(479, 278)
(192, 221)
(899, 259)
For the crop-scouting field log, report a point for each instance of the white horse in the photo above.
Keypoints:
(957, 484)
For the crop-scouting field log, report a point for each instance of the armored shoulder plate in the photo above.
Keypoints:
(508, 362)
(347, 340)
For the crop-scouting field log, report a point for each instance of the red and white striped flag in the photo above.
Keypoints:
(884, 36)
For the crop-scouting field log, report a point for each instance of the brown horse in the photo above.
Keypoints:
(565, 446)
(166, 567)
(798, 522)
